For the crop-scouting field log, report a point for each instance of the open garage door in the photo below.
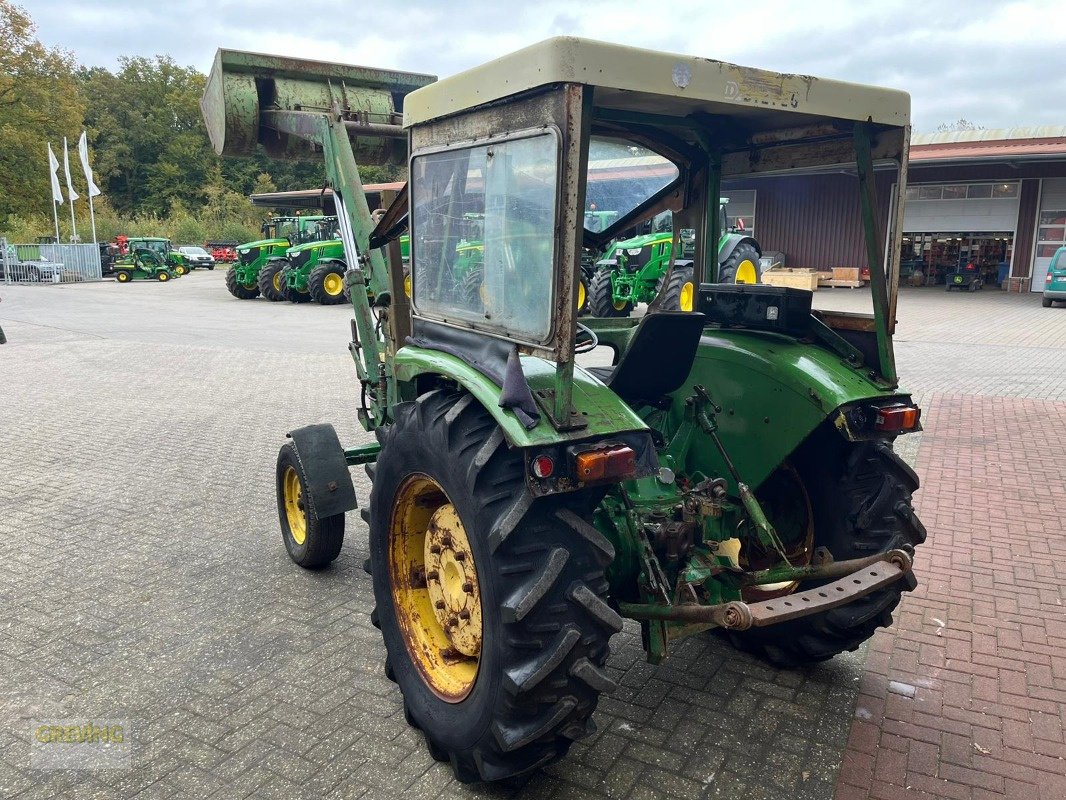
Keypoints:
(1050, 228)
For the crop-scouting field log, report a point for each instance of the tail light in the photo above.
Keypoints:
(542, 466)
(607, 463)
(897, 419)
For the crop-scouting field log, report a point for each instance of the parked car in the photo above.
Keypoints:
(197, 256)
(1055, 282)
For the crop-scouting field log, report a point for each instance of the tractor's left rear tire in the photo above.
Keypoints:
(680, 292)
(860, 496)
(326, 284)
(742, 266)
(311, 542)
(491, 604)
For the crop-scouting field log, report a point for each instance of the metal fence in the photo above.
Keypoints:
(49, 263)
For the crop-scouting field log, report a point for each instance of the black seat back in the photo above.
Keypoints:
(659, 356)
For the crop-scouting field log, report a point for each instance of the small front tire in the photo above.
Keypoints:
(601, 297)
(239, 290)
(310, 541)
(269, 281)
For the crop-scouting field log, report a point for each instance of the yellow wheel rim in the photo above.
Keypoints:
(123, 277)
(435, 588)
(581, 294)
(619, 306)
(746, 272)
(407, 285)
(686, 300)
(164, 277)
(333, 284)
(293, 492)
(276, 280)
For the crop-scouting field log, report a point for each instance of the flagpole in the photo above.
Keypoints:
(70, 191)
(92, 216)
(55, 216)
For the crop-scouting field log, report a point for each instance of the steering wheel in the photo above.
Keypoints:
(585, 340)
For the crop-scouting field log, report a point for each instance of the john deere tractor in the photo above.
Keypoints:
(176, 263)
(634, 270)
(732, 470)
(244, 279)
(311, 270)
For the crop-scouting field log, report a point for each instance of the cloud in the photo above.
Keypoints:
(998, 64)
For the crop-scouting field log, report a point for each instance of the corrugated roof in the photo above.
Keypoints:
(993, 134)
(1000, 143)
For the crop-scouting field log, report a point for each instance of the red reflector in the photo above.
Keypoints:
(606, 464)
(897, 418)
(543, 466)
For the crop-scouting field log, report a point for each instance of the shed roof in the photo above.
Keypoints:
(1048, 142)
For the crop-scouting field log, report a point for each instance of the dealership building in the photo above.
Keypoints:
(991, 196)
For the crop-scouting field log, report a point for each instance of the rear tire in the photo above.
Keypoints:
(269, 281)
(321, 281)
(240, 291)
(742, 263)
(1046, 302)
(123, 276)
(310, 541)
(601, 300)
(680, 291)
(860, 495)
(540, 587)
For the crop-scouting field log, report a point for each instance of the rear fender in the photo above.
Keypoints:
(774, 391)
(732, 241)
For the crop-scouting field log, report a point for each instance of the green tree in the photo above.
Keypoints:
(39, 102)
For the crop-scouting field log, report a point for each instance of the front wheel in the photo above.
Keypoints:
(290, 293)
(162, 276)
(860, 499)
(601, 297)
(326, 284)
(680, 291)
(123, 276)
(242, 291)
(310, 541)
(181, 269)
(491, 604)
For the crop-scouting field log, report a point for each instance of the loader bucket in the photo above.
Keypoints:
(245, 89)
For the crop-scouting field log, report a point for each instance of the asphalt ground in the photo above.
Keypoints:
(143, 578)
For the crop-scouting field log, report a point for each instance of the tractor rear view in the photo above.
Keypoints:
(732, 470)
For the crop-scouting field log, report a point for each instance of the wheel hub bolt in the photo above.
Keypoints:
(464, 614)
(468, 587)
(435, 549)
(460, 556)
(432, 575)
(439, 604)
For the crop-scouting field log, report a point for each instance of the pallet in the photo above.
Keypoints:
(830, 282)
(795, 278)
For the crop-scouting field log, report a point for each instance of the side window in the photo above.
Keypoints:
(483, 235)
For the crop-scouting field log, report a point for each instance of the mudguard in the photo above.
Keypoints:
(322, 457)
(731, 243)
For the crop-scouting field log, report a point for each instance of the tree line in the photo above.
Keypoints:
(148, 146)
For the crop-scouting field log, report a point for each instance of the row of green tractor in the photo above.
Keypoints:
(148, 258)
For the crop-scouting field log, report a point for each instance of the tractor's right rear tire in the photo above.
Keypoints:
(270, 281)
(742, 266)
(238, 290)
(326, 284)
(500, 697)
(860, 496)
(601, 297)
(680, 291)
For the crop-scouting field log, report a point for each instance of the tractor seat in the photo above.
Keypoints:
(658, 358)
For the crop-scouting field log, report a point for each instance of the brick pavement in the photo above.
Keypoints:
(142, 576)
(965, 696)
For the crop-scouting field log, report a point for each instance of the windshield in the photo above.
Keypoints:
(484, 235)
(194, 251)
(621, 176)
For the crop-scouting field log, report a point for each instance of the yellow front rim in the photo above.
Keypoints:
(293, 492)
(688, 295)
(163, 276)
(581, 294)
(619, 306)
(333, 284)
(276, 281)
(435, 588)
(746, 272)
(407, 285)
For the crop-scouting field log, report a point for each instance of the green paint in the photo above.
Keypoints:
(280, 234)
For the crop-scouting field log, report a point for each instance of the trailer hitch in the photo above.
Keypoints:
(859, 578)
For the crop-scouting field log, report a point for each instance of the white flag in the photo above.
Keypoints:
(66, 168)
(53, 163)
(83, 154)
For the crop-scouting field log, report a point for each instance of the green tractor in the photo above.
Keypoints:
(175, 262)
(633, 270)
(244, 280)
(311, 270)
(734, 468)
(142, 264)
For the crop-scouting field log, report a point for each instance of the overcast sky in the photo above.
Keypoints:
(998, 64)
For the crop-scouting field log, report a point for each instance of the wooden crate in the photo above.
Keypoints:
(845, 273)
(796, 278)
